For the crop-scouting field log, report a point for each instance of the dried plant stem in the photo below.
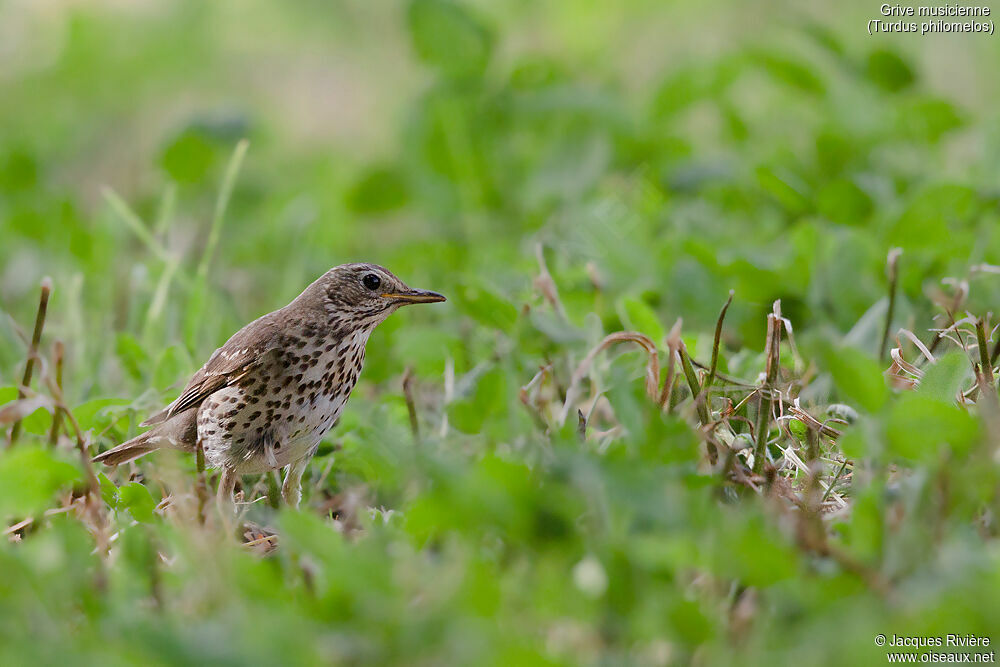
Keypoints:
(812, 447)
(765, 391)
(703, 415)
(58, 352)
(693, 385)
(411, 405)
(950, 311)
(652, 367)
(986, 386)
(81, 444)
(718, 338)
(706, 387)
(673, 346)
(546, 285)
(29, 366)
(833, 482)
(92, 502)
(813, 487)
(892, 271)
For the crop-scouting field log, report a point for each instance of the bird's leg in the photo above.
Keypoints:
(291, 489)
(227, 484)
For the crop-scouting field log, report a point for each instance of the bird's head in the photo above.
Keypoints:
(362, 295)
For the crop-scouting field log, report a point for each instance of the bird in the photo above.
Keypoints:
(266, 398)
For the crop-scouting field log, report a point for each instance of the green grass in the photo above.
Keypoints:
(562, 173)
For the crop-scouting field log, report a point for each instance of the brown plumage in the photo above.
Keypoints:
(265, 399)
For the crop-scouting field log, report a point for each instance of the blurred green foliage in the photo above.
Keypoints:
(661, 155)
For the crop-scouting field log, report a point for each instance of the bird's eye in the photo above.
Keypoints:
(371, 281)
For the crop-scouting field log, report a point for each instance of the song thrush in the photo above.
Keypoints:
(265, 399)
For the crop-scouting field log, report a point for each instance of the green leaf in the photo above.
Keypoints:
(857, 376)
(99, 413)
(919, 426)
(379, 190)
(425, 348)
(865, 531)
(842, 201)
(689, 621)
(29, 479)
(853, 443)
(445, 35)
(171, 366)
(784, 187)
(133, 358)
(39, 421)
(798, 429)
(137, 499)
(934, 214)
(834, 151)
(487, 307)
(928, 119)
(109, 492)
(943, 379)
(688, 85)
(469, 415)
(189, 157)
(889, 71)
(791, 72)
(639, 316)
(757, 553)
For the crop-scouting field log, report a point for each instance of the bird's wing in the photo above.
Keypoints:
(241, 354)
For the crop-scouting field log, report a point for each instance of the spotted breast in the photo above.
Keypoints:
(280, 414)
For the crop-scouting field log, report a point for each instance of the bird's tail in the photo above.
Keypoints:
(130, 449)
(179, 432)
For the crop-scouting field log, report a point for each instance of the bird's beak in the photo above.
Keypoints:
(415, 296)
